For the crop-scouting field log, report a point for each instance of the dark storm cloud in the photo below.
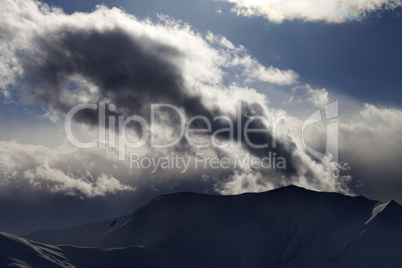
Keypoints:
(128, 72)
(132, 73)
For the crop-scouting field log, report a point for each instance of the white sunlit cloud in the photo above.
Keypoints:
(62, 170)
(311, 10)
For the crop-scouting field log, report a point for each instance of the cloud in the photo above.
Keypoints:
(312, 10)
(108, 55)
(318, 97)
(69, 59)
(372, 145)
(240, 61)
(306, 95)
(369, 148)
(41, 169)
(123, 61)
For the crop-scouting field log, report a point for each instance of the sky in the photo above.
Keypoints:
(318, 81)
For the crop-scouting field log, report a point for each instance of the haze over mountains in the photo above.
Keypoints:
(286, 227)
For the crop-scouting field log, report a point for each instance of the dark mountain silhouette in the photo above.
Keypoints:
(286, 227)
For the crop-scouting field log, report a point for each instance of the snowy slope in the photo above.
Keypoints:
(286, 227)
(18, 252)
(83, 235)
(379, 243)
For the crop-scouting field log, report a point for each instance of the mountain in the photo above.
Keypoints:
(286, 227)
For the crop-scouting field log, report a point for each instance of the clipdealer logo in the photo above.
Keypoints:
(242, 130)
(331, 153)
(238, 129)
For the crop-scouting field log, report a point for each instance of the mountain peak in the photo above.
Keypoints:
(291, 187)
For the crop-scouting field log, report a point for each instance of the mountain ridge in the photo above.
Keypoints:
(283, 191)
(286, 227)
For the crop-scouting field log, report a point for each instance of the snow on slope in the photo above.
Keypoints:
(380, 243)
(84, 235)
(286, 227)
(18, 252)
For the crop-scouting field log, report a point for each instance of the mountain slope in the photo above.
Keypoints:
(380, 242)
(18, 252)
(286, 227)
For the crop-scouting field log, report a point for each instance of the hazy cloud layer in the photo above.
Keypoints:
(312, 10)
(372, 145)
